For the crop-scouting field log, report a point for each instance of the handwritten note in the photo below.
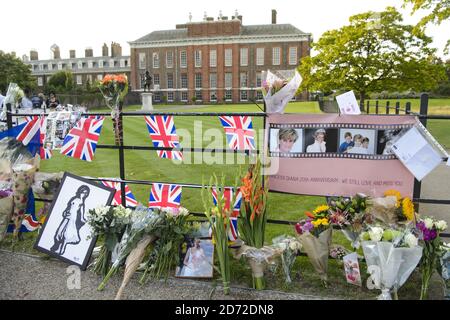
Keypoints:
(348, 104)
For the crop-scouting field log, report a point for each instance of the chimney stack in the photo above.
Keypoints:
(105, 50)
(88, 53)
(72, 54)
(116, 50)
(274, 16)
(56, 53)
(34, 54)
(240, 18)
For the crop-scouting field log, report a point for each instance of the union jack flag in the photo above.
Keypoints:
(81, 141)
(165, 196)
(28, 130)
(117, 200)
(239, 132)
(228, 195)
(163, 134)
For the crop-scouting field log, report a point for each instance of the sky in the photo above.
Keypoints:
(80, 24)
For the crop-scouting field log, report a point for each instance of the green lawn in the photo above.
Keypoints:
(145, 165)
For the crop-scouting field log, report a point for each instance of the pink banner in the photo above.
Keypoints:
(334, 155)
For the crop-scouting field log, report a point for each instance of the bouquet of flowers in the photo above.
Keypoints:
(137, 236)
(338, 252)
(444, 268)
(314, 234)
(114, 88)
(392, 208)
(170, 237)
(278, 88)
(6, 208)
(219, 218)
(109, 222)
(290, 249)
(394, 253)
(253, 212)
(349, 215)
(429, 230)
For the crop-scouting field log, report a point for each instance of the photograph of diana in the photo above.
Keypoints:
(196, 260)
(286, 140)
(357, 141)
(65, 234)
(320, 140)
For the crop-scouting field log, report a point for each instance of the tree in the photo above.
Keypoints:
(61, 82)
(12, 69)
(375, 52)
(440, 11)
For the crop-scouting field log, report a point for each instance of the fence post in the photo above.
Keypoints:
(397, 107)
(387, 107)
(121, 156)
(376, 106)
(8, 116)
(423, 112)
(408, 108)
(368, 106)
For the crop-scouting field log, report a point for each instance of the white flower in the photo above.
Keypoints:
(376, 233)
(184, 211)
(295, 246)
(411, 240)
(428, 223)
(441, 225)
(283, 245)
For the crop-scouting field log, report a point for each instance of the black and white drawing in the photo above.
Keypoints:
(65, 234)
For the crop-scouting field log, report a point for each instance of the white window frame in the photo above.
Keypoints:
(213, 58)
(244, 57)
(170, 93)
(213, 76)
(240, 95)
(99, 77)
(155, 60)
(260, 56)
(142, 60)
(198, 58)
(228, 57)
(100, 63)
(181, 81)
(90, 64)
(228, 95)
(169, 62)
(111, 63)
(79, 80)
(173, 81)
(293, 56)
(245, 85)
(40, 81)
(198, 93)
(276, 56)
(229, 85)
(89, 77)
(184, 93)
(60, 66)
(258, 75)
(183, 59)
(213, 94)
(41, 67)
(156, 79)
(196, 80)
(122, 63)
(50, 66)
(80, 64)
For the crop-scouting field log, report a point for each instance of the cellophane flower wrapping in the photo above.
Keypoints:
(13, 95)
(317, 249)
(395, 264)
(23, 176)
(383, 209)
(290, 247)
(258, 258)
(6, 209)
(279, 87)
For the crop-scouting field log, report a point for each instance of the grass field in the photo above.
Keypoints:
(145, 165)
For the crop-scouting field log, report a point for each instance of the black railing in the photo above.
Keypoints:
(423, 116)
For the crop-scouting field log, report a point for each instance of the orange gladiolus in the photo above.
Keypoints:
(246, 187)
(310, 215)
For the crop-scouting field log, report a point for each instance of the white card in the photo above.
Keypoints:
(348, 104)
(414, 151)
(351, 266)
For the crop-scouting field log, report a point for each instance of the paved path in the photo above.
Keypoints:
(437, 186)
(29, 277)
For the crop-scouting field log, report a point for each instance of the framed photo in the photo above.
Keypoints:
(357, 141)
(196, 259)
(321, 140)
(65, 233)
(286, 140)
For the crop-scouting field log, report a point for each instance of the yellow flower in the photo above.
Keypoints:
(316, 223)
(325, 222)
(394, 193)
(321, 208)
(408, 208)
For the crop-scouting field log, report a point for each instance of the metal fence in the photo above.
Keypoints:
(376, 107)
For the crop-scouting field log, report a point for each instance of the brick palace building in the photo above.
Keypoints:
(215, 60)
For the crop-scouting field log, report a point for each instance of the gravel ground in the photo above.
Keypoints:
(25, 276)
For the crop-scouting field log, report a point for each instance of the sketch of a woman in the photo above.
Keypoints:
(195, 262)
(68, 231)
